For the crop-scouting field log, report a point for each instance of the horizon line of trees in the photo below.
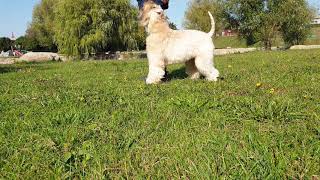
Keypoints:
(80, 28)
(257, 21)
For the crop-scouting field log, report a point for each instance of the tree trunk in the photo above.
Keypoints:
(267, 44)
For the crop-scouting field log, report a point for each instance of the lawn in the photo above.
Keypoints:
(98, 120)
(222, 42)
(314, 38)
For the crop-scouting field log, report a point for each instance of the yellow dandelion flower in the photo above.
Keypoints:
(258, 85)
(271, 91)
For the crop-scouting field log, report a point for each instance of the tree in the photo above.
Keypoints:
(261, 20)
(196, 16)
(27, 43)
(41, 29)
(86, 27)
(296, 21)
(5, 44)
(250, 17)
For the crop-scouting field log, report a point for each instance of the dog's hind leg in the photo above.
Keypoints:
(192, 70)
(206, 68)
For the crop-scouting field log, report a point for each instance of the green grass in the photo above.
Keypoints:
(222, 42)
(236, 42)
(98, 120)
(314, 38)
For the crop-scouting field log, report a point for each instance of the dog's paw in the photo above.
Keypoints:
(212, 79)
(152, 81)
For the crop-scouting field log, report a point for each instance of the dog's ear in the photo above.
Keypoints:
(143, 19)
(144, 22)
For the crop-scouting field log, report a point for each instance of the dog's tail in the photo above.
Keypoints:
(213, 25)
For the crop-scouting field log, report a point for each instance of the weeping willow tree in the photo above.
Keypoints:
(90, 26)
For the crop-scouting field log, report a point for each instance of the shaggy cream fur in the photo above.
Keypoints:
(166, 46)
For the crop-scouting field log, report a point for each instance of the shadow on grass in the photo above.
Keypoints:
(23, 66)
(181, 74)
(8, 69)
(177, 74)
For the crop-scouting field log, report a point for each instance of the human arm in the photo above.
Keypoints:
(163, 3)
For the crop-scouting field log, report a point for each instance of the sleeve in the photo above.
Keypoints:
(165, 4)
(140, 3)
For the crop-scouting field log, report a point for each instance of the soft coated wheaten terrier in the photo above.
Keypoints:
(166, 46)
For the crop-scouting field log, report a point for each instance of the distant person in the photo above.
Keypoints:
(163, 3)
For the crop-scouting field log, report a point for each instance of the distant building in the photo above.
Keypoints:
(228, 32)
(316, 20)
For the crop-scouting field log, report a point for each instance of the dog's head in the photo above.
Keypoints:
(150, 12)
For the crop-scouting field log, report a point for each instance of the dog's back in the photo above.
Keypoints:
(187, 44)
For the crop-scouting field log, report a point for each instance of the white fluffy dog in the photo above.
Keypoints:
(166, 46)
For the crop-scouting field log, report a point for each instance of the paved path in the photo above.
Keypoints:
(219, 52)
(7, 60)
(305, 47)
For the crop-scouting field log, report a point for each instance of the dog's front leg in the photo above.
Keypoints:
(156, 69)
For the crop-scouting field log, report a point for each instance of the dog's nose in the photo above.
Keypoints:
(159, 11)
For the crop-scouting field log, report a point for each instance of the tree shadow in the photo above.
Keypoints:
(8, 69)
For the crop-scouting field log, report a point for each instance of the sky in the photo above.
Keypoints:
(17, 14)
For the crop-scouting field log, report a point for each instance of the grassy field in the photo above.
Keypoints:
(98, 120)
(232, 41)
(236, 42)
(314, 38)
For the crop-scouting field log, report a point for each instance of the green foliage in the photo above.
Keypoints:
(86, 27)
(5, 44)
(140, 37)
(262, 20)
(256, 19)
(41, 29)
(79, 28)
(296, 21)
(98, 120)
(28, 43)
(173, 26)
(196, 15)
